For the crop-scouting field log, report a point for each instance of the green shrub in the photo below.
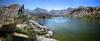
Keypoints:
(7, 38)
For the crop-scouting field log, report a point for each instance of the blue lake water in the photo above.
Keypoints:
(67, 29)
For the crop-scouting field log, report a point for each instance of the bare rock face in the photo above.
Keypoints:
(21, 26)
(7, 28)
(8, 18)
(11, 23)
(41, 38)
(85, 12)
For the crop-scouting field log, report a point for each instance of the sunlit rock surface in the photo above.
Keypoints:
(41, 38)
(8, 18)
(82, 11)
(11, 24)
(43, 34)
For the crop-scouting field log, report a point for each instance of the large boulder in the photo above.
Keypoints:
(8, 18)
(41, 38)
(7, 28)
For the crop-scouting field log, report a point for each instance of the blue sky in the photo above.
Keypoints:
(52, 4)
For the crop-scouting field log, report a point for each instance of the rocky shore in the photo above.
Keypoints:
(41, 32)
(29, 30)
(15, 26)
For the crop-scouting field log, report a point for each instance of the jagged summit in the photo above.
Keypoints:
(85, 12)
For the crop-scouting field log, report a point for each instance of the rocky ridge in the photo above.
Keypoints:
(91, 12)
(13, 27)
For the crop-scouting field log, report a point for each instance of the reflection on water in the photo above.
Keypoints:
(73, 29)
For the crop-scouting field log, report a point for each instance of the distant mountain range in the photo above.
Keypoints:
(81, 11)
(40, 11)
(69, 12)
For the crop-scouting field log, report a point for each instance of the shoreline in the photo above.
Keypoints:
(42, 36)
